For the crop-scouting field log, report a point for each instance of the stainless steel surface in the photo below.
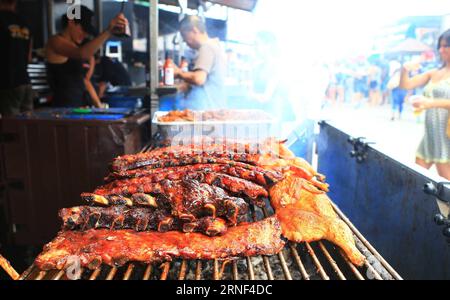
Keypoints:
(153, 57)
(257, 128)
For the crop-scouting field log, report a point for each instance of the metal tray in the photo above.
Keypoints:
(246, 130)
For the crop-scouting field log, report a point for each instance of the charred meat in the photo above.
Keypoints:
(117, 247)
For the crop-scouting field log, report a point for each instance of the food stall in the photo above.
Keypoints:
(137, 222)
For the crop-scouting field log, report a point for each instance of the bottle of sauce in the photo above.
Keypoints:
(169, 71)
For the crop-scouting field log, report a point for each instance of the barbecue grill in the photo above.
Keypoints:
(306, 261)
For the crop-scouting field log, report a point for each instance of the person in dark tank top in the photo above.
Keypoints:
(70, 63)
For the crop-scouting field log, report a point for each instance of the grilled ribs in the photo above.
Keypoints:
(172, 159)
(138, 219)
(235, 185)
(187, 199)
(201, 146)
(245, 171)
(271, 156)
(115, 248)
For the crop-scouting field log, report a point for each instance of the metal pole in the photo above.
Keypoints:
(50, 19)
(98, 7)
(99, 14)
(153, 56)
(184, 6)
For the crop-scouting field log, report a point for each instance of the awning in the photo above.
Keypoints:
(248, 5)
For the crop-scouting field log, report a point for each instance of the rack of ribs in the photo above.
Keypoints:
(245, 171)
(138, 219)
(199, 147)
(171, 159)
(273, 158)
(117, 247)
(235, 185)
(254, 154)
(186, 199)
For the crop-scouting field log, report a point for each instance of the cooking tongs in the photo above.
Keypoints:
(4, 263)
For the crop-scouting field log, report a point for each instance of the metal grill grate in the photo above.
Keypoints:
(307, 261)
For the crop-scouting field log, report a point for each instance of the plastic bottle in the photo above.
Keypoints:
(160, 72)
(169, 70)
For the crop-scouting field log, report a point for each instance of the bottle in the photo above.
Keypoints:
(122, 32)
(184, 65)
(169, 71)
(160, 72)
(147, 75)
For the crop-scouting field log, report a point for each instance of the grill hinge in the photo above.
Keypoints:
(441, 191)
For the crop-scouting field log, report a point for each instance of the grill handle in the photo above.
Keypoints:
(4, 263)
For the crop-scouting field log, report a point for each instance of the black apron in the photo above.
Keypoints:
(67, 83)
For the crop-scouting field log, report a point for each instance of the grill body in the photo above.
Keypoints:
(303, 261)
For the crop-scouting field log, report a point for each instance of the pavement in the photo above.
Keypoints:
(398, 139)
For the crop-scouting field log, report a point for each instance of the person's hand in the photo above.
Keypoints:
(420, 103)
(183, 87)
(118, 23)
(177, 71)
(411, 66)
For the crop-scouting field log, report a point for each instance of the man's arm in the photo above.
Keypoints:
(203, 65)
(197, 77)
(102, 85)
(91, 90)
(88, 84)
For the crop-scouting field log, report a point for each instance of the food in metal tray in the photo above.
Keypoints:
(214, 115)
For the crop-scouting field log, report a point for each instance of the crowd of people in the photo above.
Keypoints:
(421, 82)
(371, 82)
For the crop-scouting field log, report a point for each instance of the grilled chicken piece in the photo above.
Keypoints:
(301, 194)
(303, 226)
(306, 215)
(115, 248)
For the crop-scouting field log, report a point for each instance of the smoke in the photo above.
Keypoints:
(296, 40)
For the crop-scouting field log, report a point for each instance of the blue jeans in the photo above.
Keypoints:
(398, 97)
